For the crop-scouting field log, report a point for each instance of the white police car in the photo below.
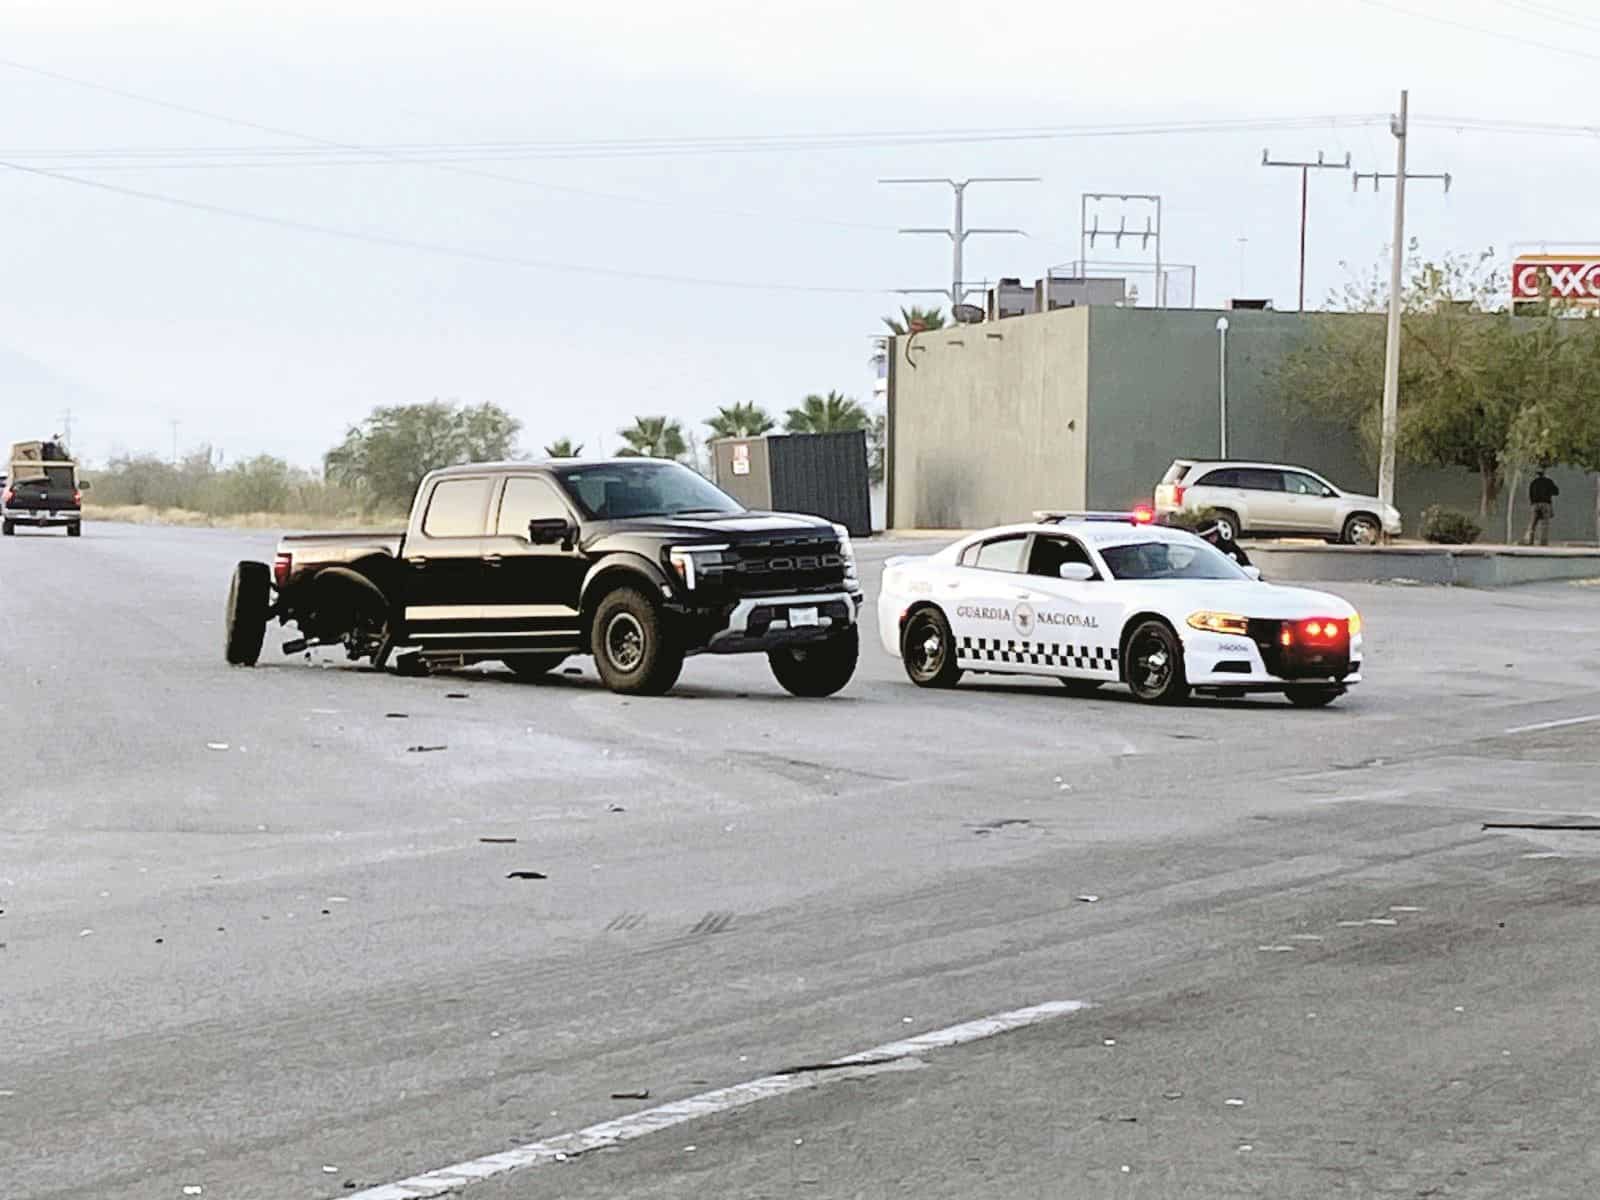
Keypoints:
(1094, 599)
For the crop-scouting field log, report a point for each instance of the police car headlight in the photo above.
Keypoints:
(1355, 623)
(1219, 622)
(847, 552)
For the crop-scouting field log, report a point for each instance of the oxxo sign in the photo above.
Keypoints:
(1572, 277)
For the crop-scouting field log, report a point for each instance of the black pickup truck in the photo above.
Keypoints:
(42, 495)
(639, 562)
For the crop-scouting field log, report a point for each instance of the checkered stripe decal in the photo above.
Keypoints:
(1039, 654)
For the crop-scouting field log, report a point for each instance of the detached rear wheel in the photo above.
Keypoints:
(1155, 668)
(249, 598)
(533, 666)
(928, 650)
(817, 668)
(633, 645)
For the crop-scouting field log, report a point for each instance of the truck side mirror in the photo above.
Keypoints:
(84, 485)
(546, 531)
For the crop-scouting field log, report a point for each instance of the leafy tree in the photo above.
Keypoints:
(654, 437)
(385, 457)
(740, 421)
(563, 448)
(833, 413)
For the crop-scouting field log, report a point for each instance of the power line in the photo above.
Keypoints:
(1547, 12)
(1494, 33)
(458, 252)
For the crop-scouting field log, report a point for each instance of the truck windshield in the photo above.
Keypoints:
(1169, 560)
(647, 488)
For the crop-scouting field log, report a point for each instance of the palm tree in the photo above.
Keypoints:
(910, 320)
(654, 437)
(832, 413)
(915, 320)
(740, 421)
(563, 448)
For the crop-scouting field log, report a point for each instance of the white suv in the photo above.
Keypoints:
(1272, 500)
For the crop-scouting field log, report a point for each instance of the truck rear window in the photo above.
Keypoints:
(456, 508)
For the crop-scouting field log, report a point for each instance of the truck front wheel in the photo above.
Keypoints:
(249, 598)
(633, 645)
(817, 668)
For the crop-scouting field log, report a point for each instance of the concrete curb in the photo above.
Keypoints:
(1459, 566)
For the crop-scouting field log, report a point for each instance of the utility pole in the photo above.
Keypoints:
(1305, 169)
(66, 428)
(1398, 126)
(958, 233)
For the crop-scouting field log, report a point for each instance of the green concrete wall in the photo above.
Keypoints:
(1153, 397)
(987, 422)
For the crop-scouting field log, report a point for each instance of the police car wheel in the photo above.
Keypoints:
(1313, 697)
(1155, 669)
(928, 650)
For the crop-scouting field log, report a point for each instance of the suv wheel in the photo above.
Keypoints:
(249, 598)
(817, 668)
(1154, 659)
(1362, 529)
(633, 645)
(928, 650)
(1227, 525)
(533, 666)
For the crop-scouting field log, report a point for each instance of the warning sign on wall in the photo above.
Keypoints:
(741, 458)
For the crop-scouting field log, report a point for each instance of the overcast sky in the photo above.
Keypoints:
(273, 338)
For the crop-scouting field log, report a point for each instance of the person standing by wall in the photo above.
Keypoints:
(1542, 493)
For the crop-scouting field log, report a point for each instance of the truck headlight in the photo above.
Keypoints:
(847, 551)
(1219, 622)
(687, 561)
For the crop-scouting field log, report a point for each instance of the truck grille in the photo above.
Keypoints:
(784, 564)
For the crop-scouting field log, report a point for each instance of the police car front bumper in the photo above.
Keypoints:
(1237, 663)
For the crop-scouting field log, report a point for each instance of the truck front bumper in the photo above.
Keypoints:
(768, 622)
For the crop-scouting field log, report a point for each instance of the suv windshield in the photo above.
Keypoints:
(647, 488)
(1169, 560)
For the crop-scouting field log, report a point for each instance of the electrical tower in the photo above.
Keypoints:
(1305, 169)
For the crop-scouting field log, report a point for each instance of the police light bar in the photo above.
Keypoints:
(1141, 515)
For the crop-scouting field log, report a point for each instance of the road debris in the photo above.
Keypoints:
(1275, 949)
(615, 808)
(398, 716)
(1000, 823)
(1234, 1102)
(193, 1189)
(526, 875)
(424, 749)
(338, 900)
(85, 932)
(455, 695)
(326, 1170)
(1404, 908)
(216, 745)
(1305, 937)
(640, 1094)
(1172, 1095)
(499, 841)
(1090, 899)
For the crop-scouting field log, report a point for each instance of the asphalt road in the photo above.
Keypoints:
(254, 943)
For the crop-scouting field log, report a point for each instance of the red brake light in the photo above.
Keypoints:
(11, 494)
(1177, 494)
(281, 566)
(1143, 514)
(77, 496)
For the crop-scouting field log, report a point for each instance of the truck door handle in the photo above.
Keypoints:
(417, 561)
(493, 560)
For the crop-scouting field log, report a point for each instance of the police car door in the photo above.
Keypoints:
(981, 606)
(1074, 626)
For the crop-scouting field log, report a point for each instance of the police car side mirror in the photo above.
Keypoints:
(1253, 572)
(1077, 572)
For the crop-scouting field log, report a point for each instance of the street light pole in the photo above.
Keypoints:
(1222, 387)
(1391, 349)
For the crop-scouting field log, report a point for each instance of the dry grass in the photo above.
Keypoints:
(140, 514)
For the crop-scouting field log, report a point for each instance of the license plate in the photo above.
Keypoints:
(802, 617)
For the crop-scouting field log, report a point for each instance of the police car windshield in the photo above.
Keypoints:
(647, 488)
(1169, 560)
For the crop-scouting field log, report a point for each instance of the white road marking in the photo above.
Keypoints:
(652, 1120)
(1554, 724)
